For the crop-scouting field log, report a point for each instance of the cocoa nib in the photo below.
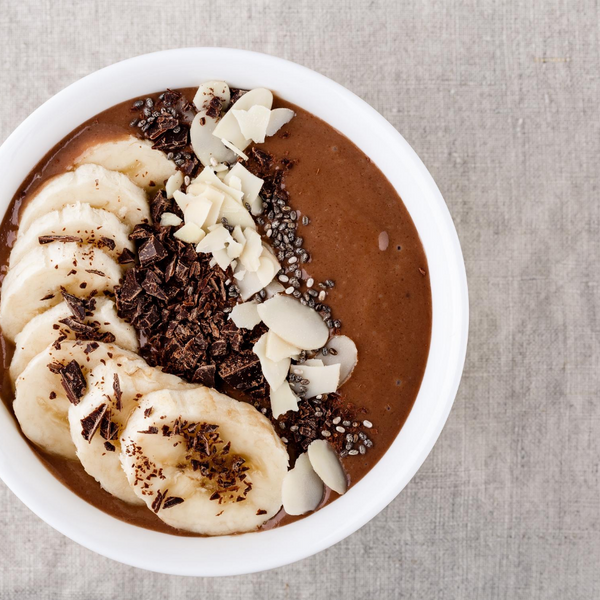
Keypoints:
(73, 382)
(172, 501)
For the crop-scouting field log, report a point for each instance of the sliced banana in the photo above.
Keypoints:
(217, 448)
(89, 225)
(41, 402)
(146, 167)
(114, 391)
(93, 185)
(45, 328)
(33, 285)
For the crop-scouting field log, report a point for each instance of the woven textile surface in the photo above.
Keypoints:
(500, 100)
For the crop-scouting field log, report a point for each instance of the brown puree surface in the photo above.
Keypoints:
(383, 298)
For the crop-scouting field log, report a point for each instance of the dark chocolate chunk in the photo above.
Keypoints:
(241, 371)
(75, 304)
(151, 252)
(126, 257)
(91, 423)
(105, 242)
(73, 382)
(152, 284)
(130, 288)
(205, 374)
(109, 447)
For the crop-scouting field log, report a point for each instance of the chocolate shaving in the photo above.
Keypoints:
(160, 496)
(73, 382)
(106, 242)
(118, 392)
(109, 447)
(75, 304)
(172, 501)
(47, 239)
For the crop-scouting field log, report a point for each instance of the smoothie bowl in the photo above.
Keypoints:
(233, 312)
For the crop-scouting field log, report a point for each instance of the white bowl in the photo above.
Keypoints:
(233, 555)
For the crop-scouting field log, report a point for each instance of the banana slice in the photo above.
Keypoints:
(146, 167)
(93, 185)
(80, 221)
(114, 390)
(33, 285)
(41, 331)
(204, 462)
(42, 402)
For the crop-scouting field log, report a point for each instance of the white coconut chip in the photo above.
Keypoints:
(190, 233)
(283, 400)
(298, 325)
(197, 211)
(313, 362)
(245, 315)
(253, 123)
(278, 118)
(173, 183)
(168, 219)
(228, 128)
(273, 289)
(235, 149)
(277, 349)
(251, 186)
(183, 199)
(250, 257)
(210, 89)
(327, 466)
(302, 489)
(274, 372)
(208, 176)
(323, 379)
(235, 213)
(346, 357)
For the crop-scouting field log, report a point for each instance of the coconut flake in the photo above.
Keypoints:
(278, 118)
(298, 325)
(245, 315)
(278, 349)
(346, 357)
(327, 466)
(197, 211)
(302, 489)
(323, 379)
(273, 289)
(283, 400)
(253, 123)
(228, 127)
(235, 149)
(217, 239)
(168, 219)
(253, 248)
(190, 233)
(173, 183)
(251, 186)
(235, 213)
(274, 372)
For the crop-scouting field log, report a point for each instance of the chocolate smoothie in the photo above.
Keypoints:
(358, 234)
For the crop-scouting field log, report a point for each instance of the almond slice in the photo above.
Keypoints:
(327, 466)
(228, 128)
(298, 325)
(251, 186)
(245, 315)
(302, 489)
(323, 379)
(168, 219)
(278, 349)
(190, 233)
(346, 357)
(283, 400)
(278, 118)
(275, 372)
(253, 123)
(209, 90)
(173, 183)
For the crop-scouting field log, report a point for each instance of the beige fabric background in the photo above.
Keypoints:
(500, 99)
